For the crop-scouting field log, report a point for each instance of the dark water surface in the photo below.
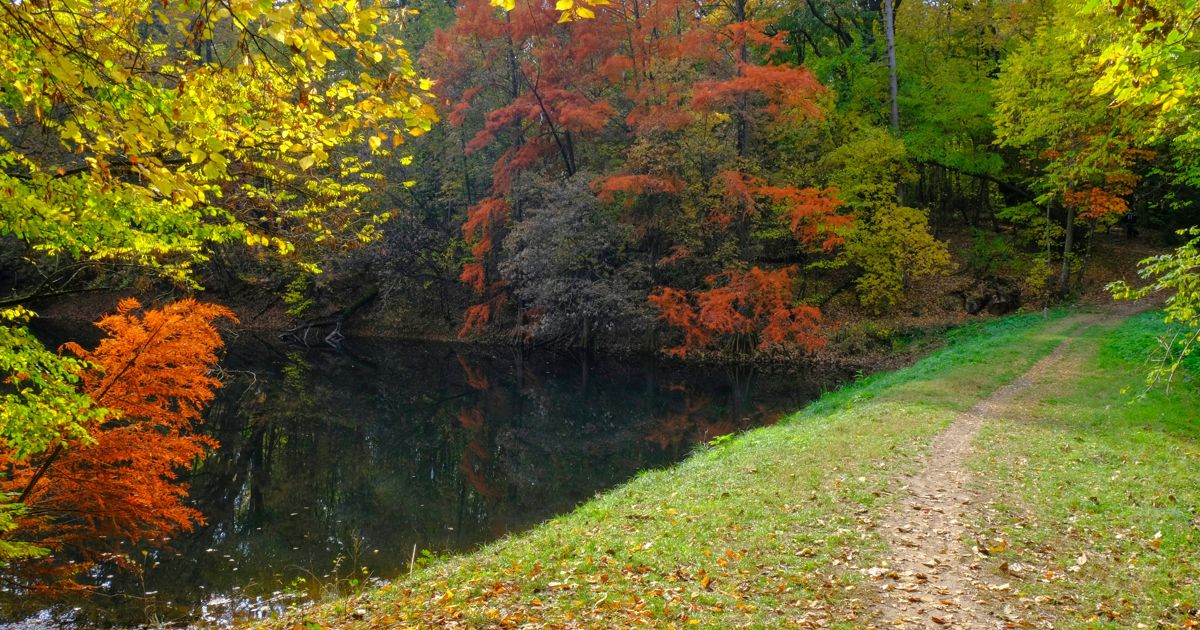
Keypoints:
(333, 467)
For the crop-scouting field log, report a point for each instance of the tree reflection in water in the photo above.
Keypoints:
(336, 465)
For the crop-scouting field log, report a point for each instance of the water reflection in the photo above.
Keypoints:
(336, 467)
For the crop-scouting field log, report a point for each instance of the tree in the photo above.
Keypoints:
(567, 267)
(1047, 108)
(90, 495)
(147, 133)
(135, 132)
(893, 248)
(887, 246)
(950, 56)
(889, 29)
(740, 311)
(646, 95)
(1150, 65)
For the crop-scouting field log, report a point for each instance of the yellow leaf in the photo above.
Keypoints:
(564, 5)
(375, 142)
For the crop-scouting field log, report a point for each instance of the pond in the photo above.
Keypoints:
(338, 468)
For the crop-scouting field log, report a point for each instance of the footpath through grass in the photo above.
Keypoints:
(767, 530)
(1094, 496)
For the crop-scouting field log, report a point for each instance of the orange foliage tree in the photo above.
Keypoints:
(90, 500)
(740, 310)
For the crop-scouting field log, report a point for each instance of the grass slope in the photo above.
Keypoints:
(773, 529)
(1094, 495)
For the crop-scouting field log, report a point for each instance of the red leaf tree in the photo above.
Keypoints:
(740, 310)
(668, 104)
(88, 501)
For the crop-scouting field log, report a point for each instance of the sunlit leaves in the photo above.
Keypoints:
(1046, 107)
(1148, 64)
(41, 402)
(147, 127)
(144, 132)
(568, 9)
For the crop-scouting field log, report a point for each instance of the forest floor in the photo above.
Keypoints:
(1049, 495)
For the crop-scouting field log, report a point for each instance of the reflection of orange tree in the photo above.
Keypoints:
(476, 379)
(474, 465)
(89, 500)
(471, 418)
(475, 459)
(695, 423)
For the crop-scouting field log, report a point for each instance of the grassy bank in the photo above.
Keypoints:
(1095, 495)
(774, 528)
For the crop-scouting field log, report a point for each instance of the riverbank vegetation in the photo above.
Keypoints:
(722, 182)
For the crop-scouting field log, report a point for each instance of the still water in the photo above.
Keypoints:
(335, 468)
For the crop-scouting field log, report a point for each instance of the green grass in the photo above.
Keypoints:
(1080, 471)
(767, 530)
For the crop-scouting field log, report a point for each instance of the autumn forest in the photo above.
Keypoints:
(816, 188)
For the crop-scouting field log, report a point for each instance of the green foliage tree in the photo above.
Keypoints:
(950, 55)
(1176, 273)
(1150, 66)
(1085, 151)
(1151, 63)
(889, 245)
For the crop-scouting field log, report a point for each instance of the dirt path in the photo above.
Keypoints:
(933, 578)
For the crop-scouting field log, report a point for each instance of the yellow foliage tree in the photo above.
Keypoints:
(893, 248)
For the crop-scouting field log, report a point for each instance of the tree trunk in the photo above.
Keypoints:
(1064, 276)
(1090, 237)
(514, 91)
(743, 128)
(889, 25)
